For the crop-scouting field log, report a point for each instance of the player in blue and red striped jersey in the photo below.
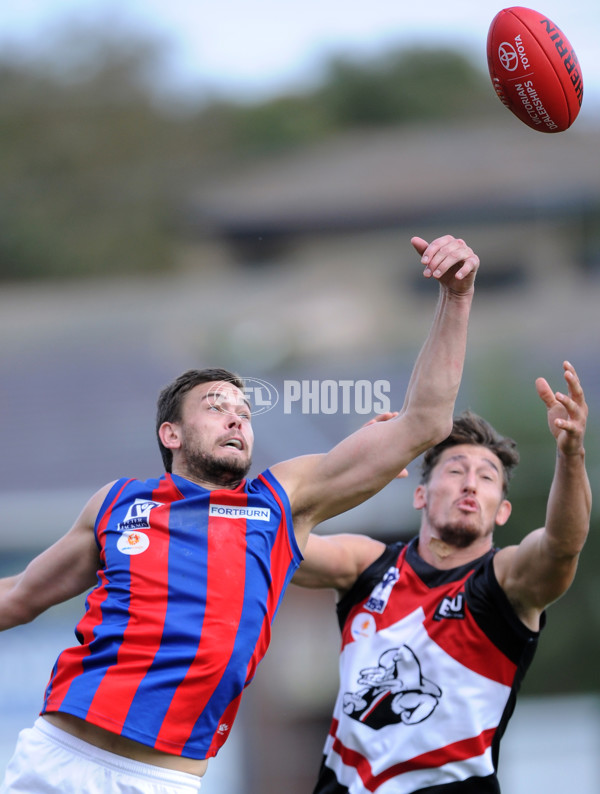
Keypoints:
(438, 633)
(187, 570)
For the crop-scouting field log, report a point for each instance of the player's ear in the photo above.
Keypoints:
(503, 513)
(419, 497)
(170, 435)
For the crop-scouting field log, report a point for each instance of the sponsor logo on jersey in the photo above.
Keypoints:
(138, 514)
(363, 626)
(231, 511)
(379, 597)
(451, 607)
(133, 542)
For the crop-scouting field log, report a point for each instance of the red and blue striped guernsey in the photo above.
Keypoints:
(189, 584)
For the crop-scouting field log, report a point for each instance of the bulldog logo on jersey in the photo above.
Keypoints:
(394, 691)
(138, 514)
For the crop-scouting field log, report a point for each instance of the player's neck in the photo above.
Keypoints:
(445, 556)
(205, 482)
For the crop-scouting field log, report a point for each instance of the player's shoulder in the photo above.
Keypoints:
(376, 560)
(97, 498)
(366, 550)
(502, 561)
(289, 473)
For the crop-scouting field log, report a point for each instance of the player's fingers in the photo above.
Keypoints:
(451, 252)
(465, 265)
(470, 265)
(576, 411)
(384, 417)
(575, 388)
(568, 425)
(438, 248)
(568, 402)
(545, 392)
(419, 244)
(431, 252)
(576, 394)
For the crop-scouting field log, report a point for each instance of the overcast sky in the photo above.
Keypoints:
(255, 47)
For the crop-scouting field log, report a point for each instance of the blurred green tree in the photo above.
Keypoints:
(412, 84)
(82, 176)
(94, 164)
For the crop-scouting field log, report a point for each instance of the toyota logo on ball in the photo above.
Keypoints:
(508, 56)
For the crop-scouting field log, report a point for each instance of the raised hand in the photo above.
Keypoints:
(449, 260)
(567, 413)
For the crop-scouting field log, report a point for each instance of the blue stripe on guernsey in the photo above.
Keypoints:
(256, 617)
(156, 691)
(101, 652)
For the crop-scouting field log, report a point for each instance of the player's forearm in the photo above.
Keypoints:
(13, 610)
(383, 449)
(436, 377)
(569, 506)
(59, 573)
(336, 561)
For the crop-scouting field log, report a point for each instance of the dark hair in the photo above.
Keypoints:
(170, 399)
(468, 428)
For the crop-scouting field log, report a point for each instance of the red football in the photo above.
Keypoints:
(534, 69)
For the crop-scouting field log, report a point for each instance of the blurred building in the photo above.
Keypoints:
(297, 269)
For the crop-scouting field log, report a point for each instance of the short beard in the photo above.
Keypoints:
(457, 535)
(224, 473)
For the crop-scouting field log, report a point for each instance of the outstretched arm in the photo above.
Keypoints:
(321, 486)
(63, 571)
(336, 561)
(541, 568)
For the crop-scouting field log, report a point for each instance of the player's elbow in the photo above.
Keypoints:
(567, 549)
(16, 606)
(14, 614)
(432, 430)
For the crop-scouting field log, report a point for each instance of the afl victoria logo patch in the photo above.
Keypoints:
(133, 542)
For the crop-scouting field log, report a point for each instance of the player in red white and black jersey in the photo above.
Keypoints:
(187, 571)
(437, 634)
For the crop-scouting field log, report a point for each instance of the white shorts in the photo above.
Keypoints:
(48, 760)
